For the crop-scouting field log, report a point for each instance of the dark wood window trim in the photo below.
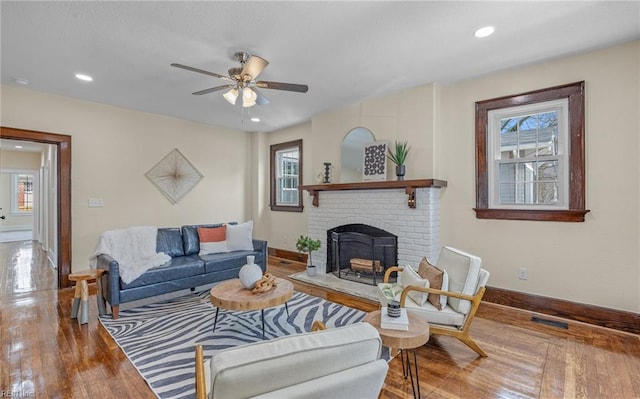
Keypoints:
(272, 176)
(63, 144)
(574, 92)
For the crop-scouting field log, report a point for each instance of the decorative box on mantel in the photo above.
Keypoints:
(408, 185)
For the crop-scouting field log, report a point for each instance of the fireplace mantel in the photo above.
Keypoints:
(408, 185)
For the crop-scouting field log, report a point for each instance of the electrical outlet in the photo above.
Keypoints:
(96, 202)
(523, 273)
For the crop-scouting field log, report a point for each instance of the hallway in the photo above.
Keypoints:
(24, 268)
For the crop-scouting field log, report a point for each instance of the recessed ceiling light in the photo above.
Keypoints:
(254, 119)
(18, 146)
(21, 81)
(485, 31)
(84, 77)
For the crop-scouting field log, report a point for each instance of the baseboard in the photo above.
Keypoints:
(284, 254)
(17, 227)
(596, 315)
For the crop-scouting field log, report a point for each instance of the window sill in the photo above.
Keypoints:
(283, 208)
(567, 215)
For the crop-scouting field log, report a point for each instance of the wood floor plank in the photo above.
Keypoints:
(45, 351)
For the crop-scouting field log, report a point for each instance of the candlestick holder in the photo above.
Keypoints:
(327, 166)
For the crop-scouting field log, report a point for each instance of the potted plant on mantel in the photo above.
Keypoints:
(398, 155)
(308, 245)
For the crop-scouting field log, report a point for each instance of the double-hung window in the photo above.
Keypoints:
(528, 165)
(530, 157)
(286, 176)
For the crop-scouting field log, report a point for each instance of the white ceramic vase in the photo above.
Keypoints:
(250, 273)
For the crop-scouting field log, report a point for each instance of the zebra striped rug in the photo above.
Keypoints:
(159, 338)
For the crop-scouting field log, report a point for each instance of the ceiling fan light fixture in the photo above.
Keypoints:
(248, 97)
(231, 96)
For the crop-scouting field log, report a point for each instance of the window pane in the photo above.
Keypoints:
(287, 177)
(24, 191)
(529, 183)
(507, 193)
(548, 193)
(527, 136)
(507, 173)
(548, 170)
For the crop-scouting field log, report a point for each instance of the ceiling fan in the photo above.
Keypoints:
(243, 86)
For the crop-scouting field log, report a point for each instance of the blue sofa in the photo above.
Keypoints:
(186, 269)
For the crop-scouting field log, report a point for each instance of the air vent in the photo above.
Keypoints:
(548, 322)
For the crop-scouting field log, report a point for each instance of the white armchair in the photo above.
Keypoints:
(466, 286)
(341, 362)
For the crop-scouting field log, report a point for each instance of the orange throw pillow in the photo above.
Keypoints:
(212, 234)
(429, 272)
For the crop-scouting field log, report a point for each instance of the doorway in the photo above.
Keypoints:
(63, 189)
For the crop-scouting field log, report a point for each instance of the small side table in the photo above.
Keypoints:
(81, 296)
(415, 337)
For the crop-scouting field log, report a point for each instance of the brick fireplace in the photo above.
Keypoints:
(409, 210)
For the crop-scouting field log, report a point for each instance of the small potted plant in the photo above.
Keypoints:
(308, 245)
(398, 155)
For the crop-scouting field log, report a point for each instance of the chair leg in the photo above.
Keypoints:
(114, 311)
(473, 345)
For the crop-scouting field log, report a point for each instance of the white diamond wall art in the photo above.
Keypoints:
(174, 176)
(375, 161)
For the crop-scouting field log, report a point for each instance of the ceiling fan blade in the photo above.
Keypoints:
(282, 86)
(254, 66)
(192, 69)
(211, 90)
(261, 99)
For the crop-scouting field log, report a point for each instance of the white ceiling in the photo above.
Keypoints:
(345, 51)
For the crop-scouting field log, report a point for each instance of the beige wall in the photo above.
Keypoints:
(406, 115)
(113, 148)
(595, 262)
(282, 228)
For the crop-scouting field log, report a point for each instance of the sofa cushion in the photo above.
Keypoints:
(190, 238)
(408, 277)
(227, 260)
(436, 278)
(176, 268)
(213, 240)
(446, 316)
(169, 241)
(239, 236)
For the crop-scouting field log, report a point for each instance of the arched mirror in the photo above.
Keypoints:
(353, 152)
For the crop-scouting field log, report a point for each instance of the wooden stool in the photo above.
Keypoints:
(81, 296)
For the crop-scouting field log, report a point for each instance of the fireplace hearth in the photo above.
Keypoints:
(361, 253)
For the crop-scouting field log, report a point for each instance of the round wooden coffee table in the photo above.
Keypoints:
(231, 295)
(415, 337)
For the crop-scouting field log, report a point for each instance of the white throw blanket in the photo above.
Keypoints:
(133, 248)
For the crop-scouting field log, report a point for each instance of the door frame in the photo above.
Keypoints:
(63, 166)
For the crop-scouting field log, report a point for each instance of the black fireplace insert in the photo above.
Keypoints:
(362, 253)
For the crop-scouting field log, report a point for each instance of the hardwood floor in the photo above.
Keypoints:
(45, 354)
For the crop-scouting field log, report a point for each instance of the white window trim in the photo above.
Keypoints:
(14, 191)
(493, 119)
(280, 176)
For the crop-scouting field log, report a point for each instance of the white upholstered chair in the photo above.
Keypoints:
(341, 362)
(466, 286)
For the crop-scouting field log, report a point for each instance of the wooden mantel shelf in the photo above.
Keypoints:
(408, 185)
